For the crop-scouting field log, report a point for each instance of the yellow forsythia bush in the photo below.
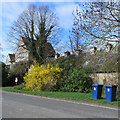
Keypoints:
(43, 76)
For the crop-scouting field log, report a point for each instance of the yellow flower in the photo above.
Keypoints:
(40, 76)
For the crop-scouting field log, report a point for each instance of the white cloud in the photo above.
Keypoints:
(11, 11)
(64, 12)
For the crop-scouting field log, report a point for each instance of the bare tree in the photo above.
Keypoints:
(100, 21)
(37, 25)
(76, 37)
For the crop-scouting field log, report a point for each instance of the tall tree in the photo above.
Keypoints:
(100, 21)
(76, 36)
(37, 25)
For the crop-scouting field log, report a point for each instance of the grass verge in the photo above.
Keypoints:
(74, 96)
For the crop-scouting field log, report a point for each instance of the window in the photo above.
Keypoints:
(21, 55)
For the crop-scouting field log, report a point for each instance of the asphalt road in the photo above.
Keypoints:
(16, 105)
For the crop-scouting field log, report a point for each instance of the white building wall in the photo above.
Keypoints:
(21, 50)
(8, 61)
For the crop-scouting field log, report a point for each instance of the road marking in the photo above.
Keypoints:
(68, 101)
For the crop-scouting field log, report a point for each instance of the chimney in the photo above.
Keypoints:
(57, 55)
(67, 53)
(93, 50)
(108, 47)
(78, 52)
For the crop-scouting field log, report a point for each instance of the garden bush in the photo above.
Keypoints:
(42, 77)
(18, 70)
(6, 80)
(76, 79)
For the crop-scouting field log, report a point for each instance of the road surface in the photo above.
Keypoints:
(15, 105)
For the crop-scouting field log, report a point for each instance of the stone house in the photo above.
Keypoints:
(22, 54)
(103, 61)
(10, 60)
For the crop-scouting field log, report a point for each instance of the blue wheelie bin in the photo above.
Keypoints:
(96, 91)
(111, 92)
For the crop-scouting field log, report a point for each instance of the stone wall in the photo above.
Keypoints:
(21, 50)
(105, 78)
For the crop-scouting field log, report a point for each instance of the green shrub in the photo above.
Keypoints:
(19, 87)
(76, 79)
(66, 64)
(6, 81)
(18, 70)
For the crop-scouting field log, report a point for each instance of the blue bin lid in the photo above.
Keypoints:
(95, 85)
(110, 85)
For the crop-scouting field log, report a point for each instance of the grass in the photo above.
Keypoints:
(74, 96)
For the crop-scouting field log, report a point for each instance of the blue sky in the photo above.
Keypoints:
(11, 11)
